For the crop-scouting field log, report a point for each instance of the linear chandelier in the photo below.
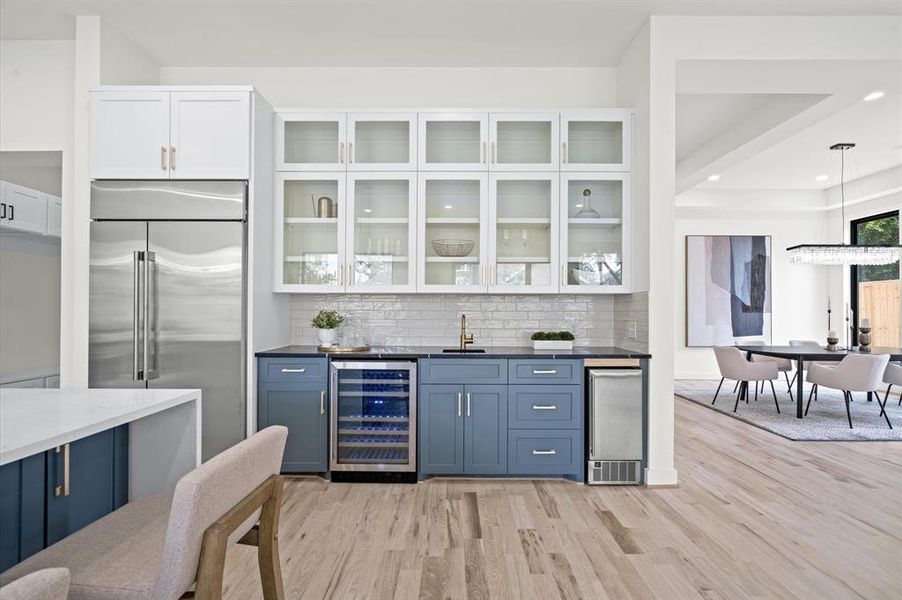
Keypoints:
(843, 254)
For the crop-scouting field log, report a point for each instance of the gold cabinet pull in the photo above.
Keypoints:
(172, 158)
(63, 490)
(163, 158)
(322, 402)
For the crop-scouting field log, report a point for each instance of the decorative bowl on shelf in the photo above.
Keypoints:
(453, 247)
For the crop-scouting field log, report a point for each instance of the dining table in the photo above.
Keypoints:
(812, 353)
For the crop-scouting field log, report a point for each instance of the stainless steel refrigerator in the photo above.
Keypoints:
(167, 303)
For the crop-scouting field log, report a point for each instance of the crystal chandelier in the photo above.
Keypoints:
(843, 254)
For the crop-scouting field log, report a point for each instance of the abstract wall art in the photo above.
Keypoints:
(728, 289)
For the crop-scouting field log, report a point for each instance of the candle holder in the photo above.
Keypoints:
(832, 342)
(864, 339)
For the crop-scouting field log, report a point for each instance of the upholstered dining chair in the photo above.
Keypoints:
(892, 376)
(46, 584)
(733, 365)
(784, 365)
(158, 547)
(855, 373)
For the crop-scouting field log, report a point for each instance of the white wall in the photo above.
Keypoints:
(321, 87)
(123, 63)
(798, 292)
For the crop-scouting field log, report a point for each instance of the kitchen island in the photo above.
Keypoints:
(70, 456)
(417, 352)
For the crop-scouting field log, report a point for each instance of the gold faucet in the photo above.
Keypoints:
(464, 338)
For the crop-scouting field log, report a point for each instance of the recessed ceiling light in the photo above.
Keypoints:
(713, 177)
(822, 178)
(876, 95)
(449, 206)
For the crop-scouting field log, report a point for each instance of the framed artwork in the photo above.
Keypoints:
(728, 290)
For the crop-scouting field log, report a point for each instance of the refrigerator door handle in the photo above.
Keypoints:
(150, 259)
(137, 259)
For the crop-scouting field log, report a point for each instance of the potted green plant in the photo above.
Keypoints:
(552, 340)
(325, 323)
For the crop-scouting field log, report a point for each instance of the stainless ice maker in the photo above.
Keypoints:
(615, 426)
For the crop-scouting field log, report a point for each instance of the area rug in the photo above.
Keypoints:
(826, 420)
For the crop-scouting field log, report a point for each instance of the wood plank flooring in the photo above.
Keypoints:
(755, 516)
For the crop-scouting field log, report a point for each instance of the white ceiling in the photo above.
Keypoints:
(527, 33)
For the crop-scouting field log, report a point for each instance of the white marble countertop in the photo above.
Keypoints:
(35, 420)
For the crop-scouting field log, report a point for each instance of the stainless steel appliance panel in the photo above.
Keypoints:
(615, 414)
(116, 304)
(168, 200)
(197, 321)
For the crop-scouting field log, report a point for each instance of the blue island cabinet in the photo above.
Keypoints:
(293, 392)
(463, 417)
(40, 503)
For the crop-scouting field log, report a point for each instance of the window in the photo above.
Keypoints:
(876, 289)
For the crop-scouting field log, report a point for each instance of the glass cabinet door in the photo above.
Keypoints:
(594, 237)
(523, 210)
(382, 142)
(523, 142)
(453, 142)
(311, 238)
(381, 232)
(453, 207)
(311, 142)
(596, 141)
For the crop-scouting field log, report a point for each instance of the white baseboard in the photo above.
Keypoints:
(661, 477)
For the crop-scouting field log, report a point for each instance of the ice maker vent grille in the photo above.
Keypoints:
(614, 472)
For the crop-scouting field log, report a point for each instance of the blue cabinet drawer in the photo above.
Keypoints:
(463, 370)
(545, 406)
(544, 370)
(284, 370)
(548, 452)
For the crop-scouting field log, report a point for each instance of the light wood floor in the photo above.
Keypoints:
(755, 516)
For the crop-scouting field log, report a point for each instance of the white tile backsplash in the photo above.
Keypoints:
(434, 319)
(631, 321)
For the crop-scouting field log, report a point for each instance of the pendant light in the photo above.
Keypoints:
(844, 254)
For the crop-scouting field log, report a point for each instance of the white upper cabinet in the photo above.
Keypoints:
(523, 236)
(54, 216)
(23, 209)
(382, 142)
(170, 135)
(453, 142)
(381, 232)
(596, 225)
(310, 232)
(453, 232)
(598, 140)
(523, 141)
(311, 142)
(210, 135)
(130, 135)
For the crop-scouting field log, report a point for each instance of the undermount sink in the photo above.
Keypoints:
(464, 351)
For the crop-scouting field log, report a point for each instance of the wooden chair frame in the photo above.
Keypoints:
(264, 535)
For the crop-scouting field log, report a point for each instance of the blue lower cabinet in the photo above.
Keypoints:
(441, 429)
(21, 510)
(485, 429)
(544, 452)
(97, 482)
(545, 406)
(303, 409)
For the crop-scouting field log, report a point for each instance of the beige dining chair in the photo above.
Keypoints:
(46, 584)
(855, 373)
(892, 376)
(784, 365)
(158, 547)
(733, 365)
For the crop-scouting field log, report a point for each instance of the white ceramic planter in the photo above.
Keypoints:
(552, 344)
(327, 337)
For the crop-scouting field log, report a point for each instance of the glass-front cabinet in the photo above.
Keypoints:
(452, 234)
(381, 233)
(311, 141)
(453, 141)
(597, 140)
(523, 141)
(523, 238)
(310, 232)
(595, 223)
(382, 142)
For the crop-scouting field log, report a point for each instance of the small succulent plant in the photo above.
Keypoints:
(327, 319)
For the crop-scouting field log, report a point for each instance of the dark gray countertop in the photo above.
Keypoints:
(414, 352)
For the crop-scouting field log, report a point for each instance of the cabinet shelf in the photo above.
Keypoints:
(368, 419)
(308, 220)
(452, 220)
(383, 220)
(299, 259)
(523, 259)
(381, 258)
(452, 259)
(601, 222)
